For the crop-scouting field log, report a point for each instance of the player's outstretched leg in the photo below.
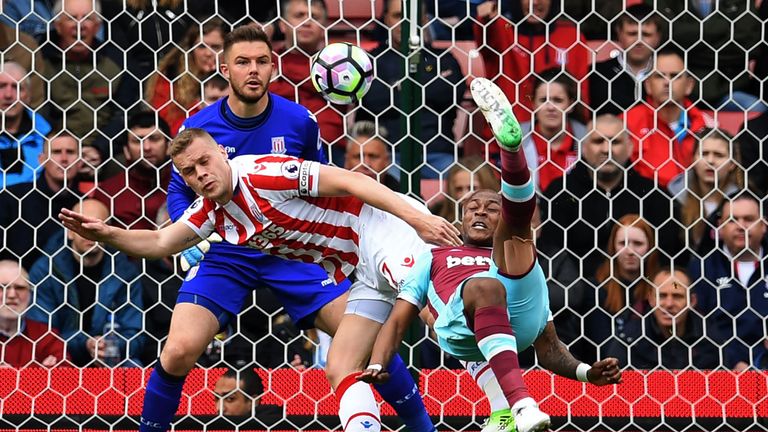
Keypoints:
(518, 192)
(485, 304)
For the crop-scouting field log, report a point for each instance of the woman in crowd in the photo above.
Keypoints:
(621, 280)
(175, 91)
(702, 189)
(551, 140)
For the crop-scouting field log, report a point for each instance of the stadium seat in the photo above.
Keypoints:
(731, 121)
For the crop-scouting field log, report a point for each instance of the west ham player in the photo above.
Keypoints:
(491, 315)
(251, 121)
(303, 211)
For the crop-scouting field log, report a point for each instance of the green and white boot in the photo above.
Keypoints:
(498, 113)
(500, 421)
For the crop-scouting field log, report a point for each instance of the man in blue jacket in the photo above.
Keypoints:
(22, 128)
(734, 284)
(106, 288)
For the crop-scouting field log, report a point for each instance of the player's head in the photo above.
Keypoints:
(238, 391)
(482, 210)
(248, 63)
(88, 251)
(15, 290)
(671, 298)
(147, 139)
(202, 164)
(303, 24)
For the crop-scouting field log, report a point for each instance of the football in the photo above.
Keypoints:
(342, 73)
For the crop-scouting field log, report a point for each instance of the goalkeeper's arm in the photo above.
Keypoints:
(554, 355)
(141, 243)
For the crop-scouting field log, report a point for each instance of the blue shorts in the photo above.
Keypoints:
(228, 274)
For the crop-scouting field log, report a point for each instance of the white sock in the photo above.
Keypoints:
(358, 409)
(483, 375)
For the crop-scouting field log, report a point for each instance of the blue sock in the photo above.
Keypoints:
(161, 400)
(403, 394)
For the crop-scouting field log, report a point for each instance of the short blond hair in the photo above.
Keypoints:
(185, 138)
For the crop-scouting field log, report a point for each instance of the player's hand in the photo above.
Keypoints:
(605, 372)
(374, 374)
(192, 256)
(436, 230)
(85, 226)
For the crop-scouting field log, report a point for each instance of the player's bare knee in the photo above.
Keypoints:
(485, 292)
(178, 358)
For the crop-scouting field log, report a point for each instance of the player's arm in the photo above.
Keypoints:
(340, 182)
(388, 341)
(554, 355)
(141, 243)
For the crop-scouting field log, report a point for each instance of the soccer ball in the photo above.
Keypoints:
(342, 73)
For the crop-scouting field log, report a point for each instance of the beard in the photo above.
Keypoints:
(239, 94)
(609, 175)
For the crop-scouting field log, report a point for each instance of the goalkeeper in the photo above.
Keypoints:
(490, 315)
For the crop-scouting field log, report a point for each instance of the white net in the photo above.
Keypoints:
(642, 124)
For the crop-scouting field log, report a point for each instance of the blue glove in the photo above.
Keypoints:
(192, 256)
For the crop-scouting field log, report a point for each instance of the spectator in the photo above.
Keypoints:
(23, 341)
(89, 88)
(155, 23)
(82, 288)
(621, 280)
(719, 38)
(238, 393)
(443, 89)
(215, 88)
(31, 16)
(135, 195)
(535, 37)
(701, 190)
(304, 23)
(21, 48)
(593, 16)
(617, 83)
(369, 153)
(672, 337)
(663, 127)
(24, 131)
(187, 67)
(30, 209)
(599, 188)
(732, 284)
(551, 140)
(161, 281)
(753, 148)
(469, 174)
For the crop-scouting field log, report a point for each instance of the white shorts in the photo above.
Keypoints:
(388, 249)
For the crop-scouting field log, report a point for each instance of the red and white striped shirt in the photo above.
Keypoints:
(275, 208)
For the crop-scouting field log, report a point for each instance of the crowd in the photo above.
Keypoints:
(651, 217)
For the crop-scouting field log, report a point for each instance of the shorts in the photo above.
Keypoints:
(388, 250)
(527, 307)
(228, 274)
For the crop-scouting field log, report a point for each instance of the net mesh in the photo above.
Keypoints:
(693, 353)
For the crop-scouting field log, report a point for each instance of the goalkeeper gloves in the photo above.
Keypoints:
(192, 256)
